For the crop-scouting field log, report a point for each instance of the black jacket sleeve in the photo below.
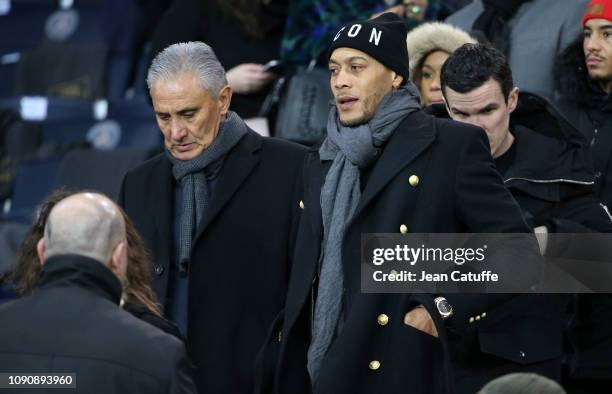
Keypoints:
(486, 206)
(579, 212)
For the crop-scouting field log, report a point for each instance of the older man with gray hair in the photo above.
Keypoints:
(70, 330)
(218, 210)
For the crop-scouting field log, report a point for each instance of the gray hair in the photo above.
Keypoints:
(189, 57)
(86, 224)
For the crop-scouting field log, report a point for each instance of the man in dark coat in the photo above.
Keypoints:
(584, 91)
(72, 322)
(385, 167)
(218, 211)
(551, 178)
(552, 181)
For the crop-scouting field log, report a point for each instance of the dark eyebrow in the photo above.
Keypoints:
(488, 107)
(182, 112)
(185, 111)
(458, 112)
(350, 59)
(604, 27)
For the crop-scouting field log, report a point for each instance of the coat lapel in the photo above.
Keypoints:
(313, 193)
(238, 165)
(306, 274)
(411, 138)
(161, 201)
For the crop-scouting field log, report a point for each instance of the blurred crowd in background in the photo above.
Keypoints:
(75, 110)
(74, 106)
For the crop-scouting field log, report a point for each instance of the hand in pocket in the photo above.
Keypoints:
(420, 319)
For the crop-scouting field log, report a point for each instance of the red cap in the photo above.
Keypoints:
(598, 9)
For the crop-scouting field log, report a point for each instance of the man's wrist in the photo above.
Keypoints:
(444, 307)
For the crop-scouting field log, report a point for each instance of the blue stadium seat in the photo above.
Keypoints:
(138, 124)
(131, 123)
(36, 29)
(7, 70)
(6, 294)
(98, 170)
(66, 131)
(24, 26)
(11, 236)
(58, 109)
(65, 121)
(34, 180)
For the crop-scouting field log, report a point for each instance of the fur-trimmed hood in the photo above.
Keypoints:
(572, 81)
(432, 36)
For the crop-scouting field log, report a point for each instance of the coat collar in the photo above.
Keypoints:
(312, 192)
(163, 195)
(413, 135)
(80, 271)
(239, 163)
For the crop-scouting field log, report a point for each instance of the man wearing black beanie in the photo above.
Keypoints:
(384, 167)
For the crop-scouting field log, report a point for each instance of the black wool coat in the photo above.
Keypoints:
(72, 323)
(458, 190)
(241, 253)
(590, 110)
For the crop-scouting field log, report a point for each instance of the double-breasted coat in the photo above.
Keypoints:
(432, 176)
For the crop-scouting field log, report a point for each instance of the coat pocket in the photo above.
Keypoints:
(523, 340)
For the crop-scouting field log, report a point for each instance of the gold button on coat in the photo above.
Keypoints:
(383, 319)
(471, 320)
(413, 180)
(484, 314)
(301, 204)
(403, 229)
(477, 317)
(374, 365)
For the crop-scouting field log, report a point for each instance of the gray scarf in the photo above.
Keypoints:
(194, 175)
(352, 149)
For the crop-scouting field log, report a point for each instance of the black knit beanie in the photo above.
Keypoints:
(383, 38)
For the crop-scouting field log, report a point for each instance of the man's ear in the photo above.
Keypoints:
(397, 80)
(446, 105)
(118, 262)
(225, 99)
(513, 99)
(40, 250)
